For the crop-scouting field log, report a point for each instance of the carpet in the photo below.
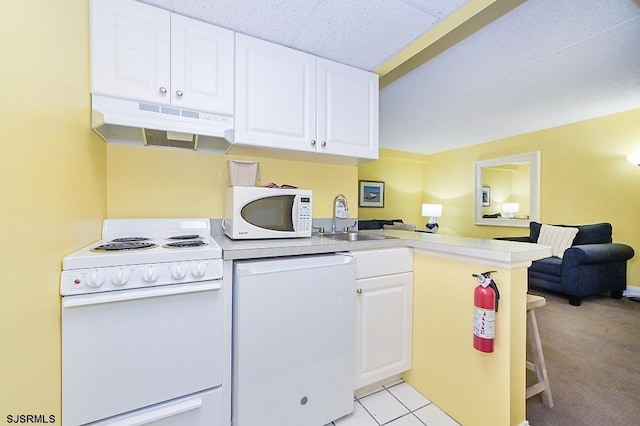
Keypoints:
(592, 353)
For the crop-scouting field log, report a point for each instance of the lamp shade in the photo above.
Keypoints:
(634, 158)
(511, 207)
(432, 210)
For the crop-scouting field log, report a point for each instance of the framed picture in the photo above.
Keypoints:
(371, 193)
(486, 196)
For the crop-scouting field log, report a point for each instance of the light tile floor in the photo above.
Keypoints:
(397, 404)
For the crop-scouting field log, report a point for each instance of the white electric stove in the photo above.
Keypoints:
(138, 253)
(143, 326)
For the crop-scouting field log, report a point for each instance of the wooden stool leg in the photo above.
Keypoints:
(539, 364)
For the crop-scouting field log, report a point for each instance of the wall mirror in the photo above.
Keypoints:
(507, 190)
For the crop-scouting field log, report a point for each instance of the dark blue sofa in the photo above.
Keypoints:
(593, 264)
(369, 224)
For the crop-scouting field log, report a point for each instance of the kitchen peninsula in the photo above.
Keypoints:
(473, 387)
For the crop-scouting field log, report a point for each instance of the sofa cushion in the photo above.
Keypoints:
(534, 231)
(597, 233)
(559, 238)
(548, 266)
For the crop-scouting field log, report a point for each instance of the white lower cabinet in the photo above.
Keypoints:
(384, 287)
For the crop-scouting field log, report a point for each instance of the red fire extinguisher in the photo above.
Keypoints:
(485, 301)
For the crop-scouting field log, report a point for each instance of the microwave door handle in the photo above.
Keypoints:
(294, 213)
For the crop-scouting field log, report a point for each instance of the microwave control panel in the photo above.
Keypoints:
(304, 214)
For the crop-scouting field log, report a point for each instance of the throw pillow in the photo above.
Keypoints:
(559, 238)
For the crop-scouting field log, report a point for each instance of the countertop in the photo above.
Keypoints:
(504, 254)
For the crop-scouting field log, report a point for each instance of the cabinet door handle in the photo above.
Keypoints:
(324, 143)
(179, 93)
(313, 143)
(359, 291)
(163, 90)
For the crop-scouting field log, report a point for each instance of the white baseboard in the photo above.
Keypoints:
(525, 423)
(377, 386)
(632, 291)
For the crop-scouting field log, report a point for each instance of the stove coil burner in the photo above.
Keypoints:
(124, 246)
(185, 237)
(129, 239)
(185, 244)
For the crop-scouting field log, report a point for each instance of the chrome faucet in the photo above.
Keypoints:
(340, 198)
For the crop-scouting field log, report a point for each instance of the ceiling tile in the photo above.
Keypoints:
(164, 4)
(439, 8)
(363, 33)
(273, 20)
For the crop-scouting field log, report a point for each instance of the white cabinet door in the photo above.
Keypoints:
(130, 45)
(383, 327)
(275, 96)
(144, 53)
(347, 110)
(201, 66)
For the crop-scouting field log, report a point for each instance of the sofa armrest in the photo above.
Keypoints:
(524, 239)
(586, 254)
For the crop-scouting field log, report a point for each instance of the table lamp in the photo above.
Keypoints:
(511, 208)
(432, 211)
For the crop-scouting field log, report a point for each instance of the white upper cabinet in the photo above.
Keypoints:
(144, 53)
(293, 100)
(201, 65)
(275, 96)
(130, 50)
(347, 110)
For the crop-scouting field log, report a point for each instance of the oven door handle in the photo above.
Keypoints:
(144, 293)
(160, 413)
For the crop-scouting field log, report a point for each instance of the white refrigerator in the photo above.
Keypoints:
(293, 340)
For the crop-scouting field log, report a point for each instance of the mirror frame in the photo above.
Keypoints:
(533, 158)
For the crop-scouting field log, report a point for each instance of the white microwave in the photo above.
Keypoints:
(253, 212)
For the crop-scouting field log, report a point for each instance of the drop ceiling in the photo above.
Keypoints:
(540, 64)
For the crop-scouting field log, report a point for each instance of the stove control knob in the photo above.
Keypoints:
(121, 277)
(150, 275)
(198, 270)
(96, 279)
(178, 272)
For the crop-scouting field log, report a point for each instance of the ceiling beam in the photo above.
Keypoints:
(474, 16)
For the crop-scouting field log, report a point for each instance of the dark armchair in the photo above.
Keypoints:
(592, 265)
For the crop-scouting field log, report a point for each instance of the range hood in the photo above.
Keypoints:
(133, 122)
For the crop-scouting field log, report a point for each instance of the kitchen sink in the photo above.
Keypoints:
(355, 236)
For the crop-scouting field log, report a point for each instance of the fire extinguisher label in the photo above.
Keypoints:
(484, 323)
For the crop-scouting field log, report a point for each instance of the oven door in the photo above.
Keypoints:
(129, 349)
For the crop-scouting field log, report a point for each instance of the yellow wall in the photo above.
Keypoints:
(521, 190)
(585, 178)
(160, 182)
(403, 174)
(53, 186)
(475, 388)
